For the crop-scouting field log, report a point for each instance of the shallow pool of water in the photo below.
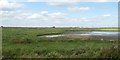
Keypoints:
(93, 33)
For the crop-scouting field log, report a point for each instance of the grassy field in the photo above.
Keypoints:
(25, 43)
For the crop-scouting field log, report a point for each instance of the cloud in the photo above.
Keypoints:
(44, 12)
(9, 6)
(33, 0)
(79, 8)
(57, 15)
(45, 18)
(63, 0)
(45, 15)
(61, 3)
(107, 15)
(24, 15)
(14, 15)
(79, 0)
(73, 2)
(37, 16)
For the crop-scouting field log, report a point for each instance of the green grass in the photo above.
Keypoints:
(25, 43)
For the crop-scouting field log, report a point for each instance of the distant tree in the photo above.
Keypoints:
(53, 27)
(2, 26)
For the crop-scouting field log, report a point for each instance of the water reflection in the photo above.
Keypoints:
(94, 33)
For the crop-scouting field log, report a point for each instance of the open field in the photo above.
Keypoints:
(25, 43)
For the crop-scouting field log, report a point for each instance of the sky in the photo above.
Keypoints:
(63, 13)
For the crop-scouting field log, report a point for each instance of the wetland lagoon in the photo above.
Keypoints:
(60, 42)
(86, 33)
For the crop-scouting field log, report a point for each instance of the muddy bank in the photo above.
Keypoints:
(86, 35)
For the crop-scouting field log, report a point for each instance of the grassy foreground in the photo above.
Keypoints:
(25, 43)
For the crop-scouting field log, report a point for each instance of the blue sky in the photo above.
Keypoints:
(98, 8)
(45, 14)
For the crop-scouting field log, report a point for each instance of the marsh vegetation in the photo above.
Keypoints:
(25, 43)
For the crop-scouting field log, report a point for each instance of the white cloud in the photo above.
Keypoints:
(73, 2)
(44, 12)
(79, 0)
(8, 6)
(37, 16)
(44, 18)
(79, 8)
(64, 0)
(23, 15)
(61, 3)
(33, 0)
(44, 15)
(57, 15)
(34, 16)
(14, 15)
(107, 15)
(97, 0)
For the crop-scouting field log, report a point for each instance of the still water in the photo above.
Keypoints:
(93, 33)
